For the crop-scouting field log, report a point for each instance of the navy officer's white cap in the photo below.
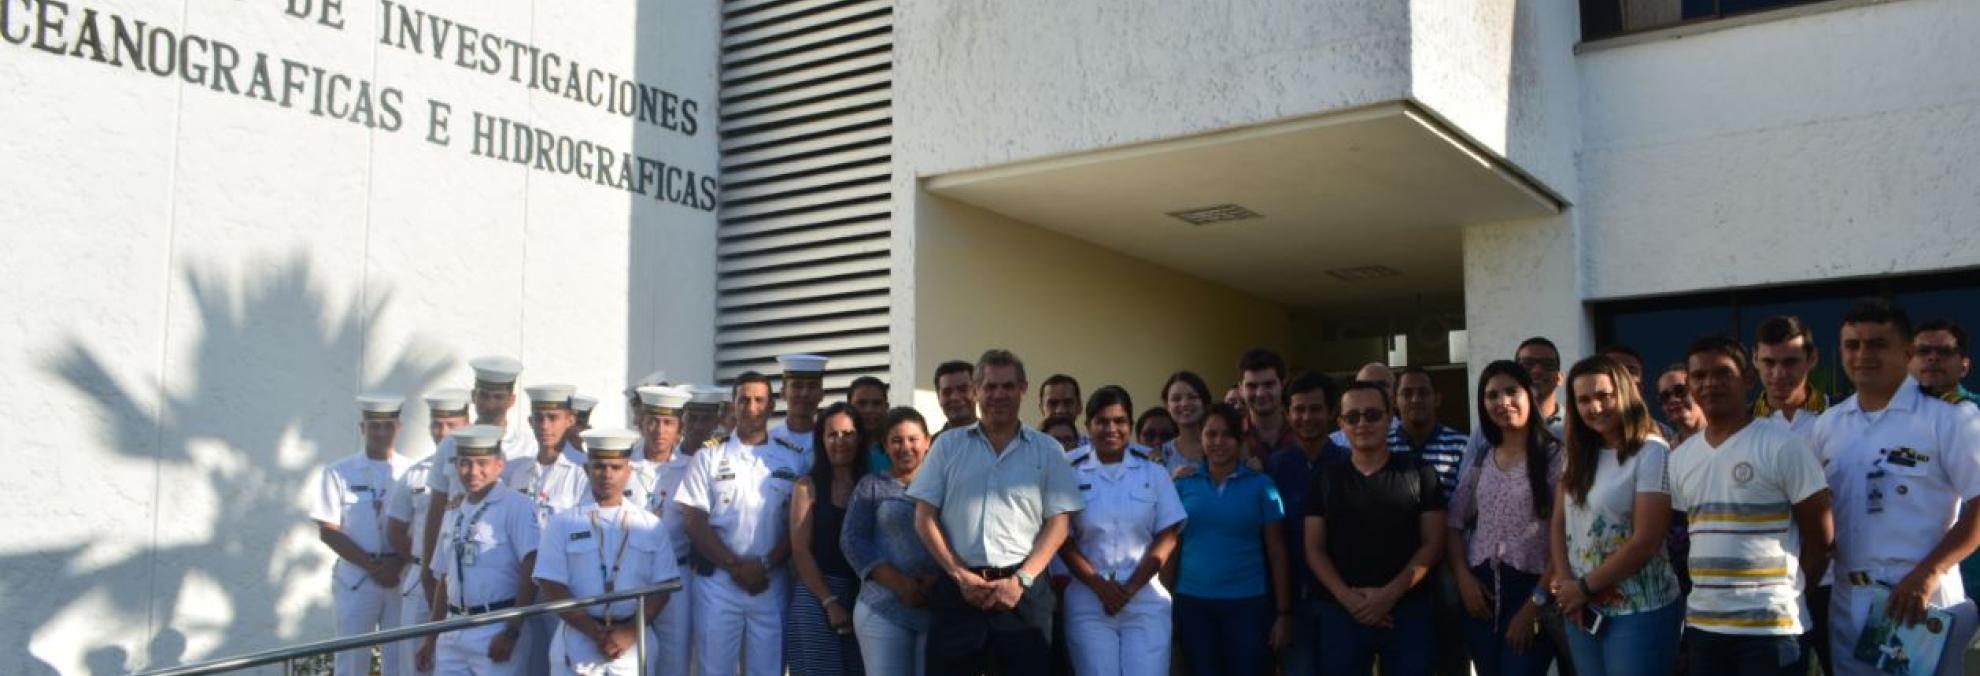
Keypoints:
(449, 402)
(654, 379)
(477, 440)
(802, 364)
(496, 373)
(380, 406)
(582, 403)
(705, 396)
(550, 397)
(663, 400)
(609, 443)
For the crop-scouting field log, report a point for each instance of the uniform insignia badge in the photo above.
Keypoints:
(581, 535)
(784, 473)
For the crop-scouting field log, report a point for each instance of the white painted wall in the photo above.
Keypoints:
(1834, 145)
(198, 282)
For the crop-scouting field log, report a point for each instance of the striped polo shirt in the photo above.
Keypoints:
(1739, 498)
(1444, 452)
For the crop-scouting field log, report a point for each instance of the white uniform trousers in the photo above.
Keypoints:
(1849, 609)
(413, 609)
(1132, 642)
(731, 625)
(572, 654)
(465, 653)
(672, 646)
(367, 609)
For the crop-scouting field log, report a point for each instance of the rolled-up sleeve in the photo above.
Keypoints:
(931, 482)
(1061, 494)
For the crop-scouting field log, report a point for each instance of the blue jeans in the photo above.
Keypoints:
(1224, 636)
(1487, 639)
(1407, 649)
(1642, 644)
(1737, 655)
(1302, 657)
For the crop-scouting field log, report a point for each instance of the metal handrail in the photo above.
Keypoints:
(341, 643)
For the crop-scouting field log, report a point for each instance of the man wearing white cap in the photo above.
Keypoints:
(602, 546)
(350, 519)
(656, 478)
(550, 479)
(488, 548)
(701, 418)
(581, 407)
(493, 395)
(405, 515)
(654, 379)
(736, 501)
(804, 387)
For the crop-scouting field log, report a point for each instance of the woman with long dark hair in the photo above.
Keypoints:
(818, 640)
(1186, 397)
(1499, 516)
(1610, 573)
(891, 617)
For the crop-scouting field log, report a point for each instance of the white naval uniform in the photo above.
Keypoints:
(583, 549)
(1899, 477)
(798, 441)
(654, 486)
(1127, 504)
(351, 496)
(407, 503)
(518, 442)
(555, 487)
(500, 532)
(746, 492)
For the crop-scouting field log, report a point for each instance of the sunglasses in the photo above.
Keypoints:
(1940, 351)
(1369, 415)
(1673, 393)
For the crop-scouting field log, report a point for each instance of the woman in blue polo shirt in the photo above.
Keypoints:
(1228, 619)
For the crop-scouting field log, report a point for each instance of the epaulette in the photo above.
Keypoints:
(786, 443)
(1077, 460)
(712, 442)
(1138, 454)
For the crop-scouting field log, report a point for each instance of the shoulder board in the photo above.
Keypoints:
(712, 442)
(1080, 459)
(786, 443)
(1138, 454)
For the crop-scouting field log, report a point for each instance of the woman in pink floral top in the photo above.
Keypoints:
(1498, 543)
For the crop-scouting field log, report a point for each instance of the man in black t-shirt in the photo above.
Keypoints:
(1374, 531)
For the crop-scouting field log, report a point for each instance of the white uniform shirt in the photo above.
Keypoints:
(746, 492)
(1127, 503)
(1745, 556)
(407, 503)
(1899, 476)
(499, 532)
(517, 442)
(584, 547)
(351, 496)
(797, 441)
(553, 488)
(653, 486)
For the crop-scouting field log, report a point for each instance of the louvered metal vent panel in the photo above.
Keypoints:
(804, 246)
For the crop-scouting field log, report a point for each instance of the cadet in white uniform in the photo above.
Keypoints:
(701, 418)
(581, 408)
(488, 539)
(550, 479)
(350, 518)
(1905, 470)
(405, 516)
(736, 501)
(493, 395)
(657, 474)
(603, 546)
(804, 387)
(1117, 612)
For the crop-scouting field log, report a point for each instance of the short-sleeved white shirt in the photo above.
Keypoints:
(555, 487)
(1601, 525)
(1900, 476)
(580, 547)
(351, 496)
(653, 487)
(745, 491)
(407, 503)
(518, 442)
(1127, 504)
(501, 536)
(993, 504)
(799, 442)
(1739, 499)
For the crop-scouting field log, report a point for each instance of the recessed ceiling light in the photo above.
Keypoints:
(1215, 214)
(1363, 273)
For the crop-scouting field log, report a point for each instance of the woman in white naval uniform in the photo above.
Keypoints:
(1117, 612)
(604, 545)
(662, 462)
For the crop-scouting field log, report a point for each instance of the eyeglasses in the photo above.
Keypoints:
(1540, 364)
(1674, 393)
(1369, 415)
(1940, 351)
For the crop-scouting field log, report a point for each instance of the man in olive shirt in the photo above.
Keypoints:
(993, 502)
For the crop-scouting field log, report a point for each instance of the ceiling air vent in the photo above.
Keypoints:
(1364, 273)
(1216, 214)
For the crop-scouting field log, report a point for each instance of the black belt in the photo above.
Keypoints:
(988, 573)
(487, 608)
(615, 620)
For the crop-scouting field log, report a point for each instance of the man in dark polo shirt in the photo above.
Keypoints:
(1374, 531)
(1310, 400)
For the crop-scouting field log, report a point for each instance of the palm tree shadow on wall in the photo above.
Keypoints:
(254, 410)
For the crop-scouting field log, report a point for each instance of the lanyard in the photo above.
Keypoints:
(625, 531)
(461, 552)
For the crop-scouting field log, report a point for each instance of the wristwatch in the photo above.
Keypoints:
(1540, 596)
(1025, 579)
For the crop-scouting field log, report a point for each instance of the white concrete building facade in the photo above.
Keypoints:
(203, 272)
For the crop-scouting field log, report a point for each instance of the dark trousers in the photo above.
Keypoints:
(1487, 638)
(1406, 649)
(1223, 636)
(1741, 655)
(965, 641)
(1817, 637)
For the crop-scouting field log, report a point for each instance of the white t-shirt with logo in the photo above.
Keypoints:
(1745, 548)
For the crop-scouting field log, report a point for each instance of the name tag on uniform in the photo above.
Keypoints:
(784, 473)
(1905, 456)
(581, 535)
(1086, 487)
(725, 477)
(360, 487)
